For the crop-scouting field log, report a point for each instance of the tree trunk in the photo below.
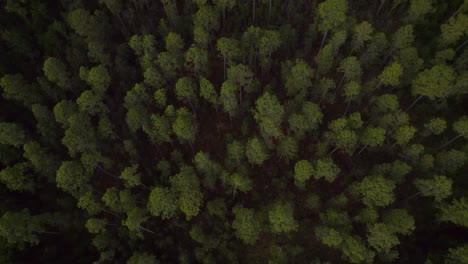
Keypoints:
(362, 149)
(375, 88)
(347, 107)
(380, 7)
(253, 14)
(461, 45)
(145, 229)
(341, 81)
(452, 140)
(224, 63)
(415, 101)
(323, 40)
(269, 11)
(334, 150)
(234, 192)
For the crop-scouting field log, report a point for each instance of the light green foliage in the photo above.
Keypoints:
(354, 121)
(450, 161)
(196, 60)
(399, 221)
(131, 176)
(135, 218)
(269, 114)
(17, 177)
(387, 103)
(55, 70)
(186, 186)
(217, 208)
(111, 199)
(89, 203)
(324, 59)
(154, 78)
(71, 178)
(435, 82)
(91, 103)
(241, 76)
(160, 98)
(186, 90)
(190, 203)
(455, 212)
(355, 250)
(162, 202)
(331, 14)
(381, 238)
(329, 236)
(63, 110)
(391, 74)
(404, 134)
(303, 170)
(325, 168)
(16, 88)
(235, 153)
(12, 134)
(288, 148)
(185, 126)
(247, 224)
(270, 42)
(367, 215)
(207, 167)
(299, 78)
(312, 114)
(351, 68)
(43, 162)
(241, 182)
(208, 92)
(436, 126)
(403, 38)
(80, 137)
(362, 33)
(99, 79)
(439, 186)
(142, 258)
(20, 227)
(461, 126)
(457, 255)
(281, 217)
(228, 95)
(418, 9)
(337, 219)
(376, 191)
(229, 48)
(373, 136)
(96, 225)
(352, 89)
(256, 151)
(454, 30)
(341, 136)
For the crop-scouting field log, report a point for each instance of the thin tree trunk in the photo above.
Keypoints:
(145, 229)
(323, 40)
(224, 63)
(461, 45)
(375, 88)
(415, 101)
(392, 146)
(354, 46)
(234, 192)
(380, 7)
(253, 14)
(269, 11)
(334, 150)
(452, 140)
(362, 149)
(349, 103)
(341, 81)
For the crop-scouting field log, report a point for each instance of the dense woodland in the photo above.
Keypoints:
(224, 131)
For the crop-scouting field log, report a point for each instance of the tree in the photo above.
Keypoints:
(56, 71)
(142, 258)
(325, 168)
(196, 60)
(351, 89)
(351, 69)
(303, 170)
(89, 202)
(185, 126)
(434, 83)
(96, 225)
(436, 126)
(331, 14)
(256, 151)
(16, 88)
(438, 186)
(20, 227)
(461, 128)
(207, 167)
(270, 41)
(376, 191)
(17, 178)
(229, 48)
(450, 161)
(71, 178)
(355, 250)
(97, 77)
(454, 30)
(329, 236)
(131, 176)
(373, 137)
(341, 136)
(362, 34)
(12, 134)
(247, 224)
(269, 114)
(208, 92)
(381, 238)
(299, 78)
(228, 97)
(162, 202)
(224, 5)
(455, 212)
(391, 74)
(243, 77)
(457, 255)
(418, 9)
(135, 218)
(186, 90)
(281, 217)
(399, 221)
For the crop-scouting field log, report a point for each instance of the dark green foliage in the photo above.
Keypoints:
(223, 131)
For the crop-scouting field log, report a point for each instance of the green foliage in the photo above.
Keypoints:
(12, 134)
(332, 13)
(247, 224)
(455, 212)
(269, 114)
(185, 126)
(376, 191)
(435, 82)
(303, 170)
(325, 168)
(20, 227)
(281, 217)
(439, 186)
(162, 202)
(17, 177)
(256, 151)
(399, 221)
(381, 238)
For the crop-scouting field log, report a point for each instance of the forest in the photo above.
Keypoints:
(224, 131)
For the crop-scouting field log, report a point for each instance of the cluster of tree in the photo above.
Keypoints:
(211, 131)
